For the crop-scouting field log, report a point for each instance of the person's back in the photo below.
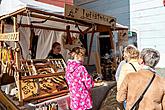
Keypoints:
(154, 99)
(132, 55)
(135, 83)
(119, 69)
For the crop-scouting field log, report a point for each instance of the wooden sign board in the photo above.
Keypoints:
(75, 12)
(14, 36)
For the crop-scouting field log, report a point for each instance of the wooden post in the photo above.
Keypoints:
(16, 45)
(98, 66)
(90, 47)
(2, 31)
(17, 63)
(1, 43)
(2, 26)
(113, 47)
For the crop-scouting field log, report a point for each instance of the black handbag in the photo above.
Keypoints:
(135, 106)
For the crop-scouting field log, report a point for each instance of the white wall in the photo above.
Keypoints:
(147, 17)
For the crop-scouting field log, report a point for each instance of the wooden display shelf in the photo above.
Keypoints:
(33, 87)
(41, 76)
(46, 96)
(49, 98)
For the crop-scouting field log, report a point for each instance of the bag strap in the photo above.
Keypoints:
(133, 67)
(141, 96)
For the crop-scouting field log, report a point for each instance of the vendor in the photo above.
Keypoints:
(55, 51)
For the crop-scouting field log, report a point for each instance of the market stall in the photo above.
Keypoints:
(28, 29)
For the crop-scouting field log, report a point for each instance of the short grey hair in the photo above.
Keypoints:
(150, 57)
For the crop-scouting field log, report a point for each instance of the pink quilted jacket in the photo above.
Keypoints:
(80, 84)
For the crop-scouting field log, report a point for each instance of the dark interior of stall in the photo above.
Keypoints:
(106, 56)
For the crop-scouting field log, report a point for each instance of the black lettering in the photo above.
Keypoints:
(107, 19)
(71, 13)
(101, 18)
(95, 16)
(98, 16)
(88, 16)
(104, 18)
(76, 10)
(82, 17)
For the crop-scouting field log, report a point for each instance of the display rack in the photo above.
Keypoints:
(39, 79)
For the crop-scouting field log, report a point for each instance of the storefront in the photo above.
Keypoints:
(28, 29)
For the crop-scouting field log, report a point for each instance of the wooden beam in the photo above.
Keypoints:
(57, 15)
(48, 95)
(41, 76)
(52, 18)
(48, 28)
(102, 28)
(51, 98)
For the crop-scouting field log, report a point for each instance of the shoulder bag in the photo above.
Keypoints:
(135, 106)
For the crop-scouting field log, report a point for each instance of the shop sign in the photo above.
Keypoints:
(14, 36)
(75, 12)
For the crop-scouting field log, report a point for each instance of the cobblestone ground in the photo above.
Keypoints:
(161, 71)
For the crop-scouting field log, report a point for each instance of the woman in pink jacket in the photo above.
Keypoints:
(79, 81)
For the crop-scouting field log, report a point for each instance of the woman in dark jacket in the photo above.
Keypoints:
(55, 51)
